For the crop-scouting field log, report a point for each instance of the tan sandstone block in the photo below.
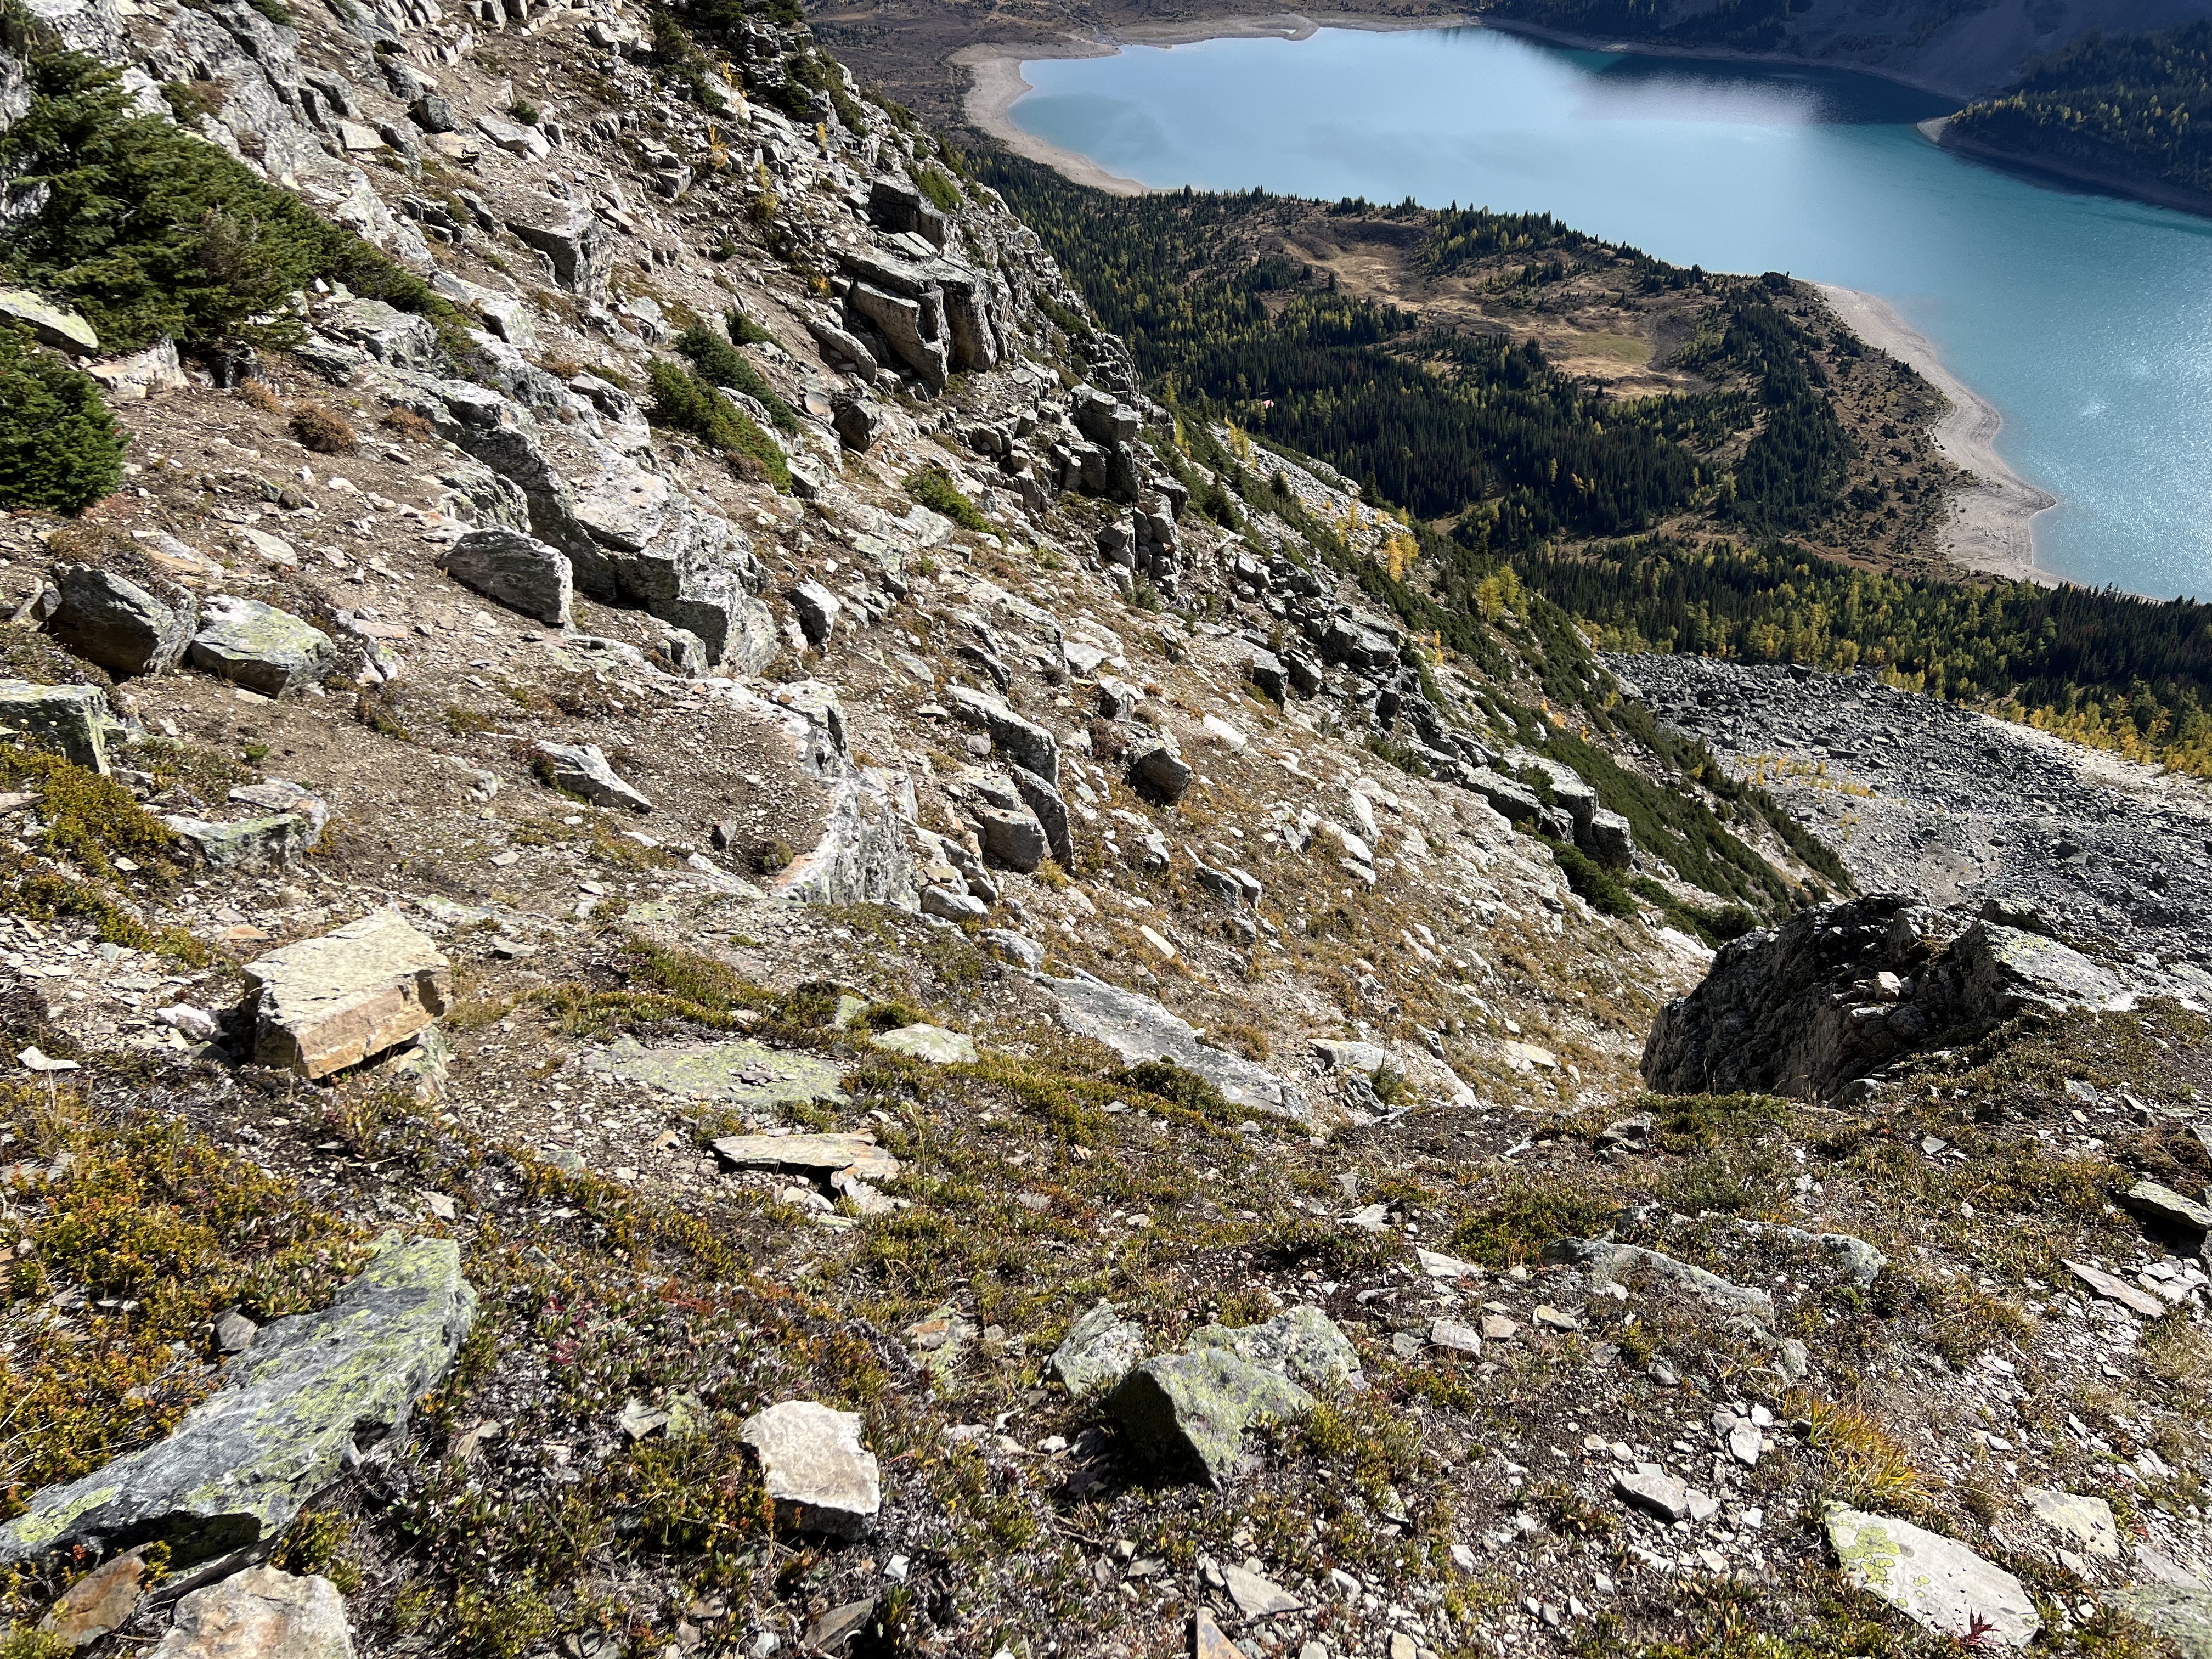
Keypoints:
(324, 1004)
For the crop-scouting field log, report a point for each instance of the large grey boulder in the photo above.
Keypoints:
(262, 1612)
(1013, 838)
(1158, 768)
(1023, 741)
(1187, 1414)
(73, 719)
(1137, 1028)
(1936, 1582)
(1049, 808)
(1303, 1343)
(1097, 1352)
(582, 770)
(107, 618)
(1841, 990)
(295, 1410)
(321, 1005)
(818, 1475)
(518, 570)
(259, 646)
(401, 339)
(574, 241)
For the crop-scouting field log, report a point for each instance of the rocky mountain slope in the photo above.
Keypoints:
(712, 951)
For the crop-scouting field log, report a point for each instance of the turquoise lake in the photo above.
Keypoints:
(2085, 318)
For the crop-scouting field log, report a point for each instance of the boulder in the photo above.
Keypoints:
(1186, 1413)
(57, 327)
(1050, 811)
(857, 421)
(1936, 1582)
(1803, 1010)
(1023, 742)
(582, 770)
(1158, 768)
(276, 842)
(1608, 1263)
(295, 1412)
(948, 906)
(262, 1612)
(818, 610)
(1511, 802)
(405, 339)
(1608, 839)
(1303, 1343)
(98, 1602)
(1097, 1352)
(73, 719)
(259, 646)
(839, 347)
(137, 377)
(819, 1477)
(1137, 1028)
(1012, 838)
(2161, 1210)
(574, 241)
(109, 619)
(517, 570)
(324, 1004)
(1267, 671)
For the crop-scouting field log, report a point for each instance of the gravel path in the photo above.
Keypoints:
(1922, 796)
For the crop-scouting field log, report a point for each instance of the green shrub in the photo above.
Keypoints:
(1591, 881)
(939, 189)
(59, 449)
(722, 363)
(683, 402)
(149, 231)
(934, 491)
(744, 330)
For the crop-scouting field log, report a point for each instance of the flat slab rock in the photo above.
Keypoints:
(324, 1004)
(263, 1613)
(817, 1154)
(1936, 1582)
(293, 1410)
(1137, 1028)
(931, 1042)
(819, 1476)
(744, 1073)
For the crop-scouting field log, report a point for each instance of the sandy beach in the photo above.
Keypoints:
(1989, 519)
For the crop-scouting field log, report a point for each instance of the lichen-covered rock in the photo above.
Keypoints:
(1186, 1413)
(260, 647)
(1137, 1028)
(324, 1004)
(1097, 1352)
(1303, 1344)
(1936, 1582)
(295, 1410)
(261, 1614)
(74, 719)
(742, 1073)
(107, 618)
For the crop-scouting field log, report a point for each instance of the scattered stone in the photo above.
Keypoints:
(1097, 1352)
(940, 1340)
(1936, 1582)
(1631, 1135)
(1435, 1264)
(98, 1602)
(1257, 1597)
(1651, 1487)
(1608, 1263)
(516, 570)
(234, 1332)
(2087, 1520)
(931, 1042)
(1557, 1319)
(260, 1614)
(1158, 768)
(948, 906)
(108, 619)
(259, 646)
(582, 770)
(1206, 1641)
(838, 1624)
(1023, 951)
(294, 1413)
(818, 610)
(818, 1475)
(324, 1004)
(2117, 1290)
(1012, 838)
(1460, 1339)
(747, 1075)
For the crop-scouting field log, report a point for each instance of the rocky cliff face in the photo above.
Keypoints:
(731, 770)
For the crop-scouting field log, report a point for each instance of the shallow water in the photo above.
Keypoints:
(2085, 318)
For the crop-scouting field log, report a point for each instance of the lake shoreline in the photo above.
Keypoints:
(995, 82)
(1992, 519)
(2047, 169)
